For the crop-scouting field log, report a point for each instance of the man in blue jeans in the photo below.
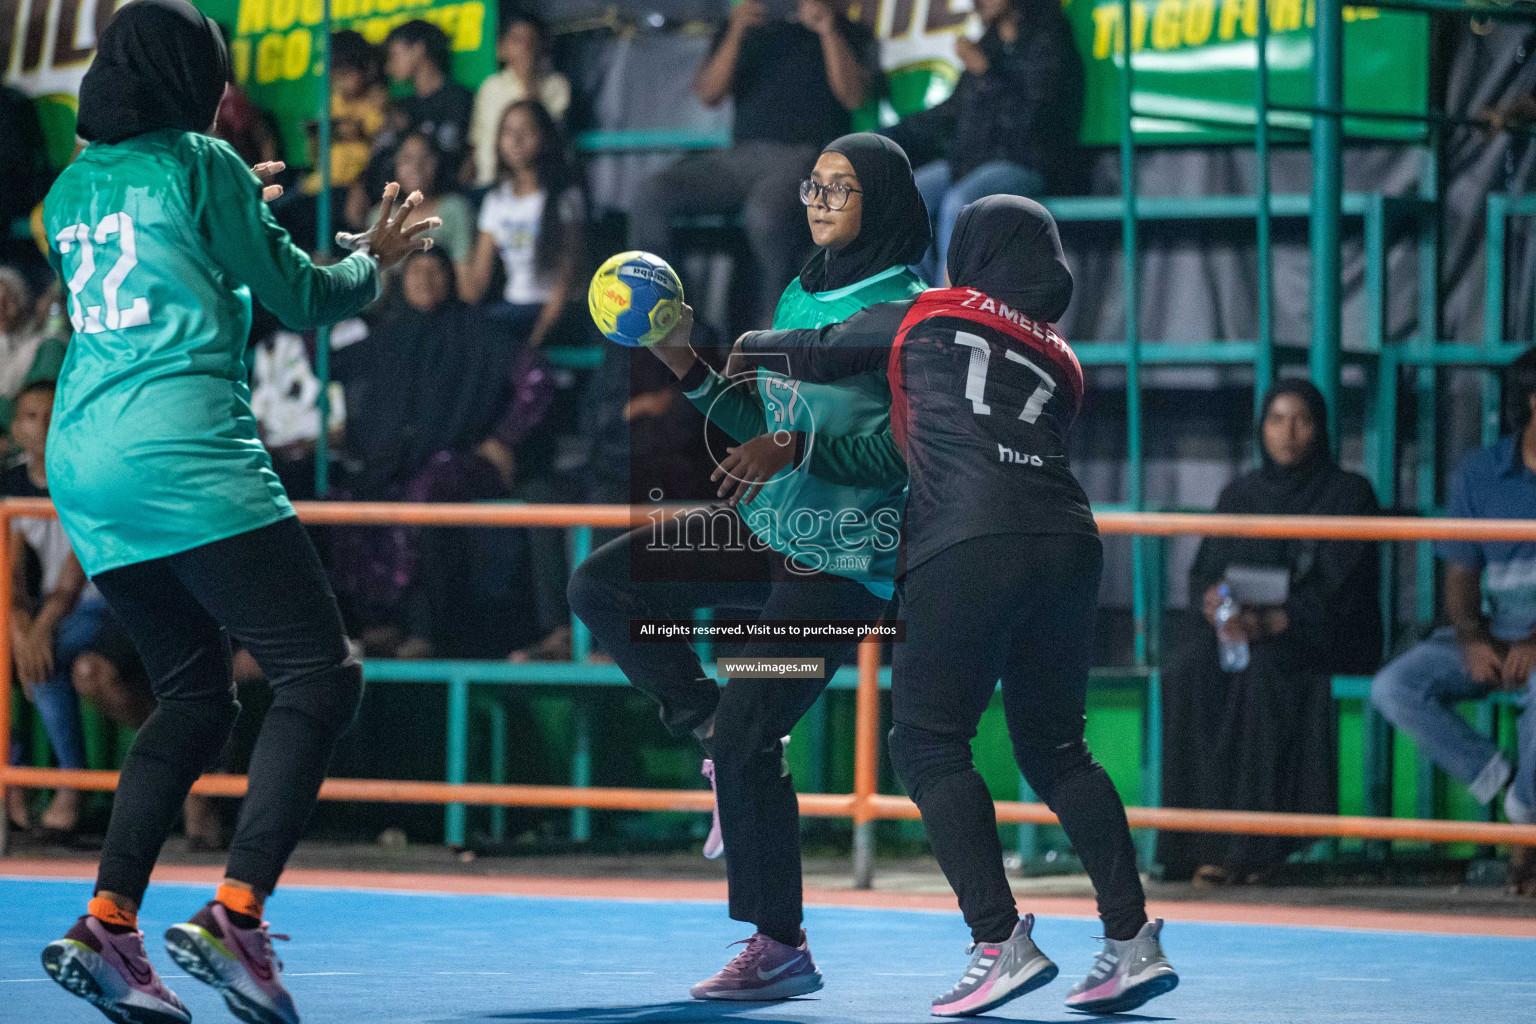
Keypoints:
(1480, 652)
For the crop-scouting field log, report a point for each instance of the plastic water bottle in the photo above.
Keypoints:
(1234, 652)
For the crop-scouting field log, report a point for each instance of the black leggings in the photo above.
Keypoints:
(633, 578)
(1021, 609)
(265, 589)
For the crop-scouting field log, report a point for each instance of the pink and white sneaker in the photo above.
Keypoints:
(714, 843)
(1126, 973)
(236, 961)
(111, 971)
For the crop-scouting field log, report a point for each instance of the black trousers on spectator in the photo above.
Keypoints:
(760, 179)
(1021, 609)
(654, 574)
(266, 589)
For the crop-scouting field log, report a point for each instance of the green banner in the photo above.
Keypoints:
(1193, 64)
(277, 47)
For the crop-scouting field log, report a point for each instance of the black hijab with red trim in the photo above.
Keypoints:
(1007, 247)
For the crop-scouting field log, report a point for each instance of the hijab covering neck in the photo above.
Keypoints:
(159, 64)
(1292, 486)
(1007, 247)
(894, 226)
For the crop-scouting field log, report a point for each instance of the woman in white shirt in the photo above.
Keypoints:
(525, 74)
(532, 222)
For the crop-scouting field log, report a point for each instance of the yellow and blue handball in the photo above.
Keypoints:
(635, 298)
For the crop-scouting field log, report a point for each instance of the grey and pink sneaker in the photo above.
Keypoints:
(236, 961)
(997, 973)
(766, 970)
(111, 971)
(1126, 973)
(714, 843)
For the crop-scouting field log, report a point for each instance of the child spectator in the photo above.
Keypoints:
(27, 351)
(420, 167)
(525, 74)
(64, 638)
(532, 221)
(358, 99)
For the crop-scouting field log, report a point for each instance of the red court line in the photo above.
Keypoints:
(691, 889)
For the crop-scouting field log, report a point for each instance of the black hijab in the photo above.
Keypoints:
(1292, 488)
(894, 230)
(1007, 247)
(159, 64)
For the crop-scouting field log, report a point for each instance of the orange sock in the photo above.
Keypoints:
(107, 912)
(241, 901)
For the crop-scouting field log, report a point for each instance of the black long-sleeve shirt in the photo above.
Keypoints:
(1026, 108)
(982, 399)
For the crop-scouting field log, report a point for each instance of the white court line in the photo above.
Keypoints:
(1509, 983)
(600, 974)
(906, 974)
(1352, 979)
(21, 981)
(475, 973)
(324, 974)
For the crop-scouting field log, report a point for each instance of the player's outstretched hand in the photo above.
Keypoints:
(266, 172)
(395, 236)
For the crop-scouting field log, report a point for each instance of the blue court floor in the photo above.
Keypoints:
(407, 957)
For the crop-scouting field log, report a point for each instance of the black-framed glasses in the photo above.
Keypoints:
(835, 195)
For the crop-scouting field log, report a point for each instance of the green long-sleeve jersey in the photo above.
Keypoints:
(161, 240)
(838, 510)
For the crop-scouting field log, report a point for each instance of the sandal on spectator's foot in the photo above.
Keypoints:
(555, 647)
(205, 830)
(1522, 871)
(1210, 876)
(414, 648)
(16, 809)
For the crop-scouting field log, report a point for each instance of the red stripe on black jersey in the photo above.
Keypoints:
(970, 304)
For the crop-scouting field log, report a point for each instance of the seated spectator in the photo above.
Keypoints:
(418, 53)
(27, 352)
(65, 640)
(358, 99)
(1265, 738)
(1478, 653)
(525, 75)
(794, 83)
(442, 406)
(1014, 113)
(24, 155)
(532, 227)
(419, 167)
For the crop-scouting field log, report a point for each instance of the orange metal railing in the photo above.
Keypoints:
(863, 805)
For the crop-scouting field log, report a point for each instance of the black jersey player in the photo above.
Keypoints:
(1001, 580)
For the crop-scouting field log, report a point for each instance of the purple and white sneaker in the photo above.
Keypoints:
(714, 843)
(1126, 973)
(998, 972)
(236, 961)
(766, 970)
(111, 971)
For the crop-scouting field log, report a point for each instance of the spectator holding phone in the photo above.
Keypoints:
(1013, 115)
(794, 79)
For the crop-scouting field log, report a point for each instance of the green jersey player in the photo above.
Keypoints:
(162, 237)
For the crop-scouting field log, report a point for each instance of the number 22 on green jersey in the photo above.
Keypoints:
(110, 315)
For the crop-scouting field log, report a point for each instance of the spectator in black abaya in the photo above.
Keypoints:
(441, 407)
(1265, 738)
